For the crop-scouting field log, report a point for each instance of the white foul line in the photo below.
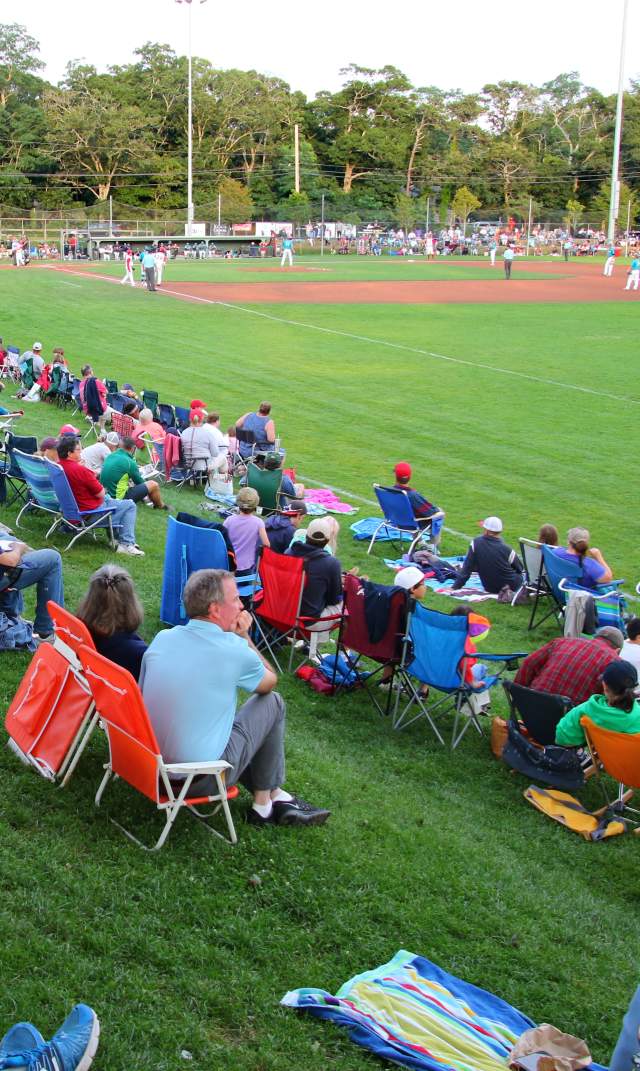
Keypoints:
(384, 342)
(409, 349)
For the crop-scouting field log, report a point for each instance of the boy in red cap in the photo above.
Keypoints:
(424, 511)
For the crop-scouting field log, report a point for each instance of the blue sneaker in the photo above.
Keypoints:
(71, 1048)
(20, 1038)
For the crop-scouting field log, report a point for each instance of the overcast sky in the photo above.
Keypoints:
(463, 44)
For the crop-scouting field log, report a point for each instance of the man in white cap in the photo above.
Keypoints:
(35, 356)
(495, 561)
(322, 595)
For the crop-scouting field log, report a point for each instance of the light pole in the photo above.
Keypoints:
(613, 203)
(189, 121)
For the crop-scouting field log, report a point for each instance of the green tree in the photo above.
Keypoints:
(407, 211)
(236, 204)
(627, 206)
(464, 203)
(575, 212)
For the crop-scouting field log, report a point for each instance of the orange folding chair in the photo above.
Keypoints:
(618, 754)
(134, 755)
(276, 607)
(70, 633)
(51, 716)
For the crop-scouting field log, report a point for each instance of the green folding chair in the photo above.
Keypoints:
(267, 484)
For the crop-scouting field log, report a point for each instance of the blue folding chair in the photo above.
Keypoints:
(42, 493)
(81, 521)
(182, 417)
(398, 514)
(166, 415)
(188, 547)
(435, 655)
(564, 576)
(10, 472)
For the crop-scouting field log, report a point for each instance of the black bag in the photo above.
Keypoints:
(433, 564)
(559, 767)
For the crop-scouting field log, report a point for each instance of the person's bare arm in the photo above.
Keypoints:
(270, 431)
(270, 679)
(264, 538)
(594, 553)
(240, 421)
(12, 557)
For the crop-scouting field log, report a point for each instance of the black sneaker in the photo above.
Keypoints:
(254, 818)
(297, 812)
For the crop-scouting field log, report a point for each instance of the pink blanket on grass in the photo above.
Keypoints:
(329, 500)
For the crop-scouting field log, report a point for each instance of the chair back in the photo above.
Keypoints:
(267, 484)
(437, 648)
(122, 423)
(27, 444)
(166, 415)
(355, 631)
(48, 710)
(619, 753)
(111, 385)
(38, 480)
(188, 547)
(182, 416)
(68, 628)
(396, 507)
(64, 494)
(65, 380)
(539, 712)
(135, 755)
(246, 441)
(532, 560)
(557, 569)
(283, 578)
(150, 401)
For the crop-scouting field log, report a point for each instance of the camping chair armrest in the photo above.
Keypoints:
(604, 589)
(197, 767)
(315, 620)
(511, 657)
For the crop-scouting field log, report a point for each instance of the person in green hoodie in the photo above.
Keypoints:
(617, 709)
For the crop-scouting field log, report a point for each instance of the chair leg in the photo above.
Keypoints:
(103, 784)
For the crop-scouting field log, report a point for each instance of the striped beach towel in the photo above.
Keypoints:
(415, 1014)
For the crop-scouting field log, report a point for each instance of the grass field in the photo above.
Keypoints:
(528, 411)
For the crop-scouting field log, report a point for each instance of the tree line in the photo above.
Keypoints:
(375, 149)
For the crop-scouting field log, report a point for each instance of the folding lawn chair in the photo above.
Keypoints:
(42, 494)
(618, 755)
(122, 424)
(539, 712)
(72, 517)
(150, 401)
(398, 513)
(51, 716)
(166, 415)
(535, 579)
(246, 443)
(55, 381)
(355, 643)
(188, 547)
(564, 576)
(276, 607)
(153, 469)
(134, 755)
(11, 366)
(435, 654)
(65, 390)
(182, 417)
(267, 484)
(10, 470)
(111, 385)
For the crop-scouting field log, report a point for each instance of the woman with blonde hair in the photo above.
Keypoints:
(594, 568)
(113, 613)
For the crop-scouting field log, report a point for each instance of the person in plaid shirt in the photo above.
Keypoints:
(571, 667)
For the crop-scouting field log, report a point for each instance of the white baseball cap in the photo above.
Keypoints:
(409, 577)
(37, 346)
(491, 524)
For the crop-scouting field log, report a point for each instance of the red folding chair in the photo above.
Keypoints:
(134, 755)
(122, 423)
(51, 716)
(355, 643)
(277, 605)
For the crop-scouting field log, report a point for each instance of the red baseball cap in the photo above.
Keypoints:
(403, 470)
(197, 404)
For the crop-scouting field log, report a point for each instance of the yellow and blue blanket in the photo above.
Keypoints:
(413, 1013)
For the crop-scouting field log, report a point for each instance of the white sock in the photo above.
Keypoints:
(281, 796)
(263, 809)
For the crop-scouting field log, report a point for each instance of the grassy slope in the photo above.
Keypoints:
(428, 851)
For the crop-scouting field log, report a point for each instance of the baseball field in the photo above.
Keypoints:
(518, 398)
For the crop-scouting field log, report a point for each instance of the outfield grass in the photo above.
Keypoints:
(426, 850)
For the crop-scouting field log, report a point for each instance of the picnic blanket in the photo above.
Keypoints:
(415, 1014)
(365, 528)
(473, 590)
(330, 502)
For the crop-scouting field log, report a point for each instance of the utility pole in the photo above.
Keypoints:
(615, 186)
(296, 156)
(322, 227)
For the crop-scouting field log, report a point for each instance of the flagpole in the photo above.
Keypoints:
(190, 213)
(615, 189)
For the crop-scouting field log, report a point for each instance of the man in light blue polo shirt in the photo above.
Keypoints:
(149, 266)
(190, 678)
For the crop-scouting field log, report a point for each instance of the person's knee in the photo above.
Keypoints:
(152, 485)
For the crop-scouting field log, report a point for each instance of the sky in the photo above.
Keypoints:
(462, 46)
